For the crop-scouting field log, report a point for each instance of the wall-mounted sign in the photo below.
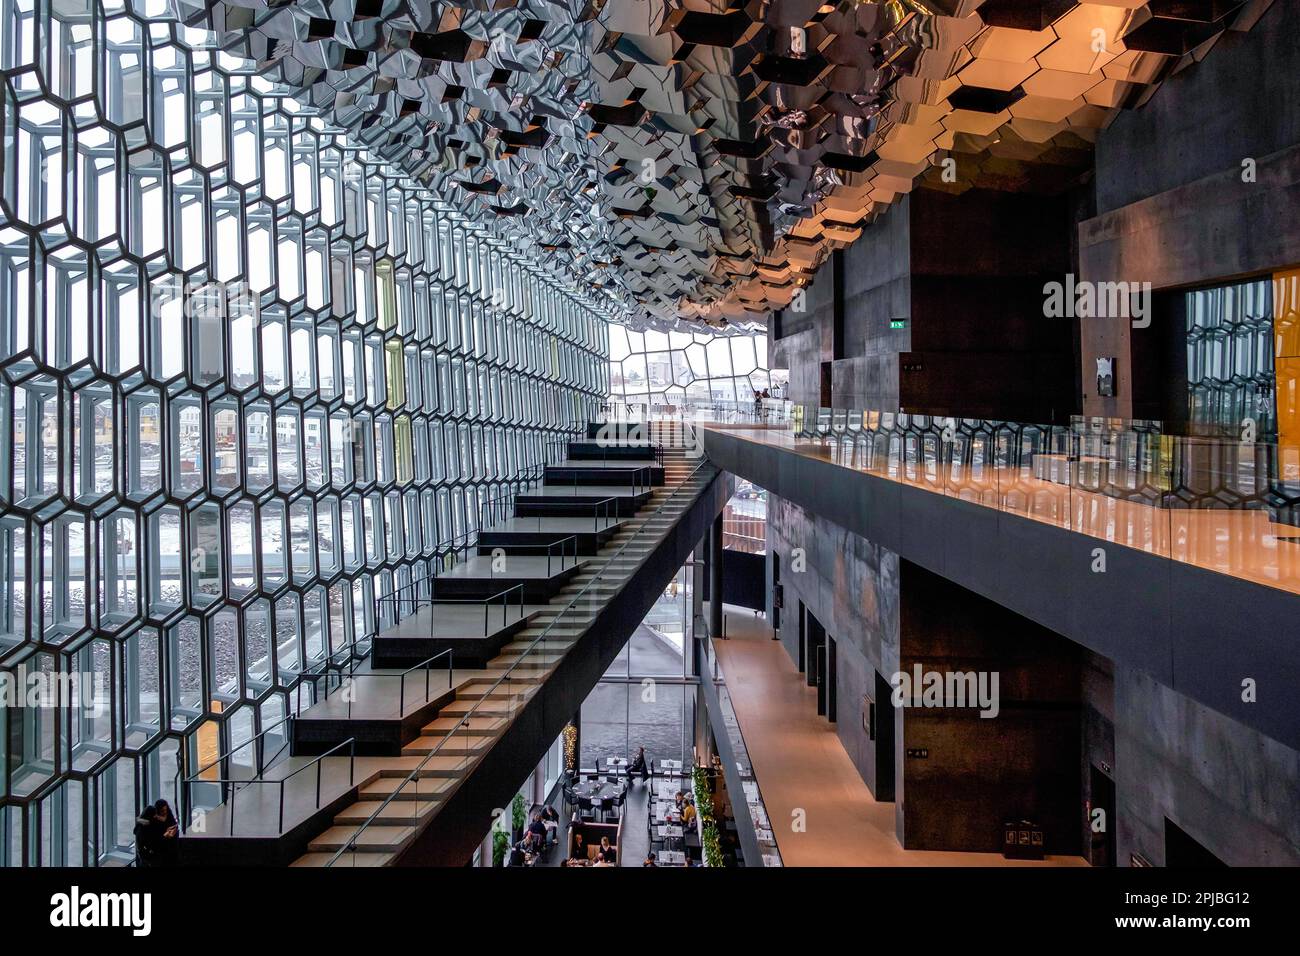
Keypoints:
(898, 323)
(918, 753)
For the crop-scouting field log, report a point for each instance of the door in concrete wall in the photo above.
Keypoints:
(777, 595)
(884, 741)
(803, 630)
(1101, 849)
(815, 638)
(831, 679)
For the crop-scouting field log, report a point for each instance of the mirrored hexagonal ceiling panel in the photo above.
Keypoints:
(698, 160)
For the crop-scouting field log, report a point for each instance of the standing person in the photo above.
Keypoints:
(148, 834)
(168, 851)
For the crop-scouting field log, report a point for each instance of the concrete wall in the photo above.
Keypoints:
(981, 346)
(1230, 788)
(1239, 101)
(1173, 207)
(801, 354)
(1098, 746)
(877, 289)
(851, 587)
(966, 273)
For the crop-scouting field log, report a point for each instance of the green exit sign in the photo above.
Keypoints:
(898, 323)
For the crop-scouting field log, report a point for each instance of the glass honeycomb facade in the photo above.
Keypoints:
(250, 381)
(674, 368)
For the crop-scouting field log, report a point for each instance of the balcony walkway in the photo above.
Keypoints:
(1243, 543)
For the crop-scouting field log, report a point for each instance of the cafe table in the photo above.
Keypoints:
(597, 789)
(671, 858)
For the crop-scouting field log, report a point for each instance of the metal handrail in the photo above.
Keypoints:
(401, 694)
(560, 543)
(180, 786)
(234, 750)
(417, 603)
(464, 722)
(350, 743)
(595, 513)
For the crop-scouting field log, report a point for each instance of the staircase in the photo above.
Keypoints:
(392, 807)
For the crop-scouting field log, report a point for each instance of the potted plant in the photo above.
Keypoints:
(518, 816)
(500, 847)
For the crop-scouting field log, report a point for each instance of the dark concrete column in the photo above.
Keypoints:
(715, 578)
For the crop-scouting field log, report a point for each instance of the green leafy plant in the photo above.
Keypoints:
(500, 846)
(518, 812)
(703, 798)
(712, 846)
(709, 839)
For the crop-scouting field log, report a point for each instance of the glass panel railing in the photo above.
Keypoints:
(491, 712)
(743, 767)
(1224, 505)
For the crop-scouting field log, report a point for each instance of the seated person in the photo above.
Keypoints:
(579, 848)
(537, 831)
(650, 860)
(607, 852)
(517, 855)
(688, 814)
(638, 766)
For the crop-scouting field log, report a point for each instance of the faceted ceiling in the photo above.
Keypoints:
(698, 161)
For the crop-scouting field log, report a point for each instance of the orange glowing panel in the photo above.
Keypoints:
(1286, 336)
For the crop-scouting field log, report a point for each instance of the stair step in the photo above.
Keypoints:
(422, 789)
(442, 765)
(456, 746)
(348, 859)
(475, 724)
(383, 838)
(409, 813)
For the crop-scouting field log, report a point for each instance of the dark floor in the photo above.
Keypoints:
(636, 825)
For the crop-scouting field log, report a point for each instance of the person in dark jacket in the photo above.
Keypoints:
(638, 766)
(147, 836)
(169, 843)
